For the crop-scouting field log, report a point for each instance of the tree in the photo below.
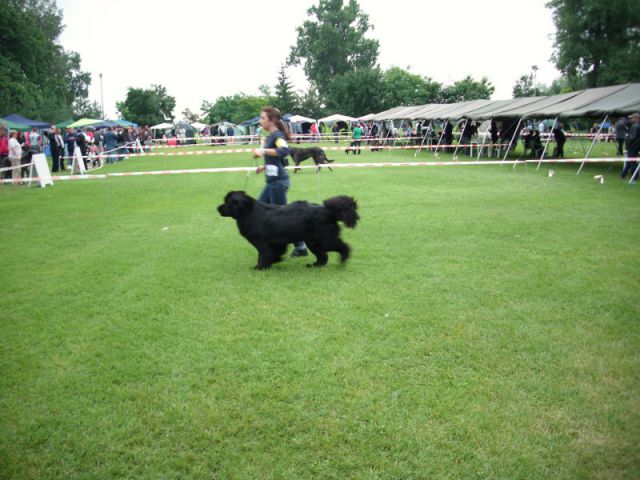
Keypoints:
(357, 93)
(311, 104)
(468, 89)
(38, 78)
(597, 42)
(147, 107)
(83, 108)
(190, 116)
(401, 87)
(333, 42)
(235, 108)
(285, 98)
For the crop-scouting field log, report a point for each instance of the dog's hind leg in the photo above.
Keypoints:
(337, 245)
(321, 255)
(277, 251)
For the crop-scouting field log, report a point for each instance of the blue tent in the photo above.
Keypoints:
(250, 122)
(19, 119)
(125, 123)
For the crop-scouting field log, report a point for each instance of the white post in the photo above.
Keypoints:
(441, 136)
(512, 139)
(460, 139)
(484, 139)
(423, 140)
(546, 145)
(635, 172)
(593, 143)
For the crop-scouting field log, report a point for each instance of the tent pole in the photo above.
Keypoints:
(484, 139)
(460, 139)
(441, 135)
(546, 145)
(511, 141)
(423, 139)
(635, 172)
(593, 143)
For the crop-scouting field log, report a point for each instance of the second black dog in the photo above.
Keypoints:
(270, 228)
(299, 155)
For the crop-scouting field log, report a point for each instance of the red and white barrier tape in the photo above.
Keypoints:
(333, 165)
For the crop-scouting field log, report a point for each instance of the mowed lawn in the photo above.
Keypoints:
(487, 326)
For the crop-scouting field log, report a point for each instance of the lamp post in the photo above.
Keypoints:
(101, 96)
(535, 69)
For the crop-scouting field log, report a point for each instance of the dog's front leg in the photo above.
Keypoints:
(265, 258)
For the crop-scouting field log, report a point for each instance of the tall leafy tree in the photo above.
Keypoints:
(285, 98)
(401, 87)
(597, 42)
(311, 104)
(468, 89)
(38, 78)
(234, 108)
(357, 93)
(84, 108)
(147, 106)
(333, 42)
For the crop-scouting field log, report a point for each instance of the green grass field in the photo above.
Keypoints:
(485, 327)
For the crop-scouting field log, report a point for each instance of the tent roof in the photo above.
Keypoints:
(64, 124)
(162, 126)
(386, 113)
(84, 122)
(252, 121)
(15, 126)
(401, 114)
(125, 123)
(495, 108)
(337, 117)
(300, 119)
(198, 125)
(579, 99)
(369, 116)
(427, 110)
(15, 118)
(624, 101)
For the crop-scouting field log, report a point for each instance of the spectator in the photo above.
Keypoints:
(633, 148)
(4, 150)
(560, 139)
(357, 139)
(70, 141)
(111, 145)
(35, 141)
(81, 141)
(447, 136)
(335, 130)
(621, 134)
(15, 156)
(54, 147)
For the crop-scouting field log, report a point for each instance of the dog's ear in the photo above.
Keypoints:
(246, 202)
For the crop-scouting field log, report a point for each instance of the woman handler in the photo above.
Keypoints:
(275, 151)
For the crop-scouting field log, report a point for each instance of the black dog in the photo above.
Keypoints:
(270, 228)
(299, 155)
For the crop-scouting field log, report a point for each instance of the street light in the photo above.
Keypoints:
(535, 69)
(101, 96)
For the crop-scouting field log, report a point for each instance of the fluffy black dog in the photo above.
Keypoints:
(299, 155)
(270, 228)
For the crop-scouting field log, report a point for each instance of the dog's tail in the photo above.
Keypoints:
(328, 160)
(344, 208)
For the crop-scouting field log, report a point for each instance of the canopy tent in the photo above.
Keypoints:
(199, 126)
(566, 105)
(426, 110)
(300, 119)
(20, 120)
(162, 126)
(386, 113)
(125, 123)
(14, 126)
(624, 101)
(366, 118)
(251, 122)
(497, 107)
(87, 122)
(337, 117)
(64, 124)
(402, 114)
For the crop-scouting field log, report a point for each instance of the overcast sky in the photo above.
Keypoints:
(202, 49)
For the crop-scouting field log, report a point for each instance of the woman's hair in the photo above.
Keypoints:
(273, 114)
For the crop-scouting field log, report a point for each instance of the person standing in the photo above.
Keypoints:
(274, 153)
(621, 134)
(15, 155)
(55, 150)
(633, 148)
(110, 145)
(561, 139)
(34, 141)
(357, 138)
